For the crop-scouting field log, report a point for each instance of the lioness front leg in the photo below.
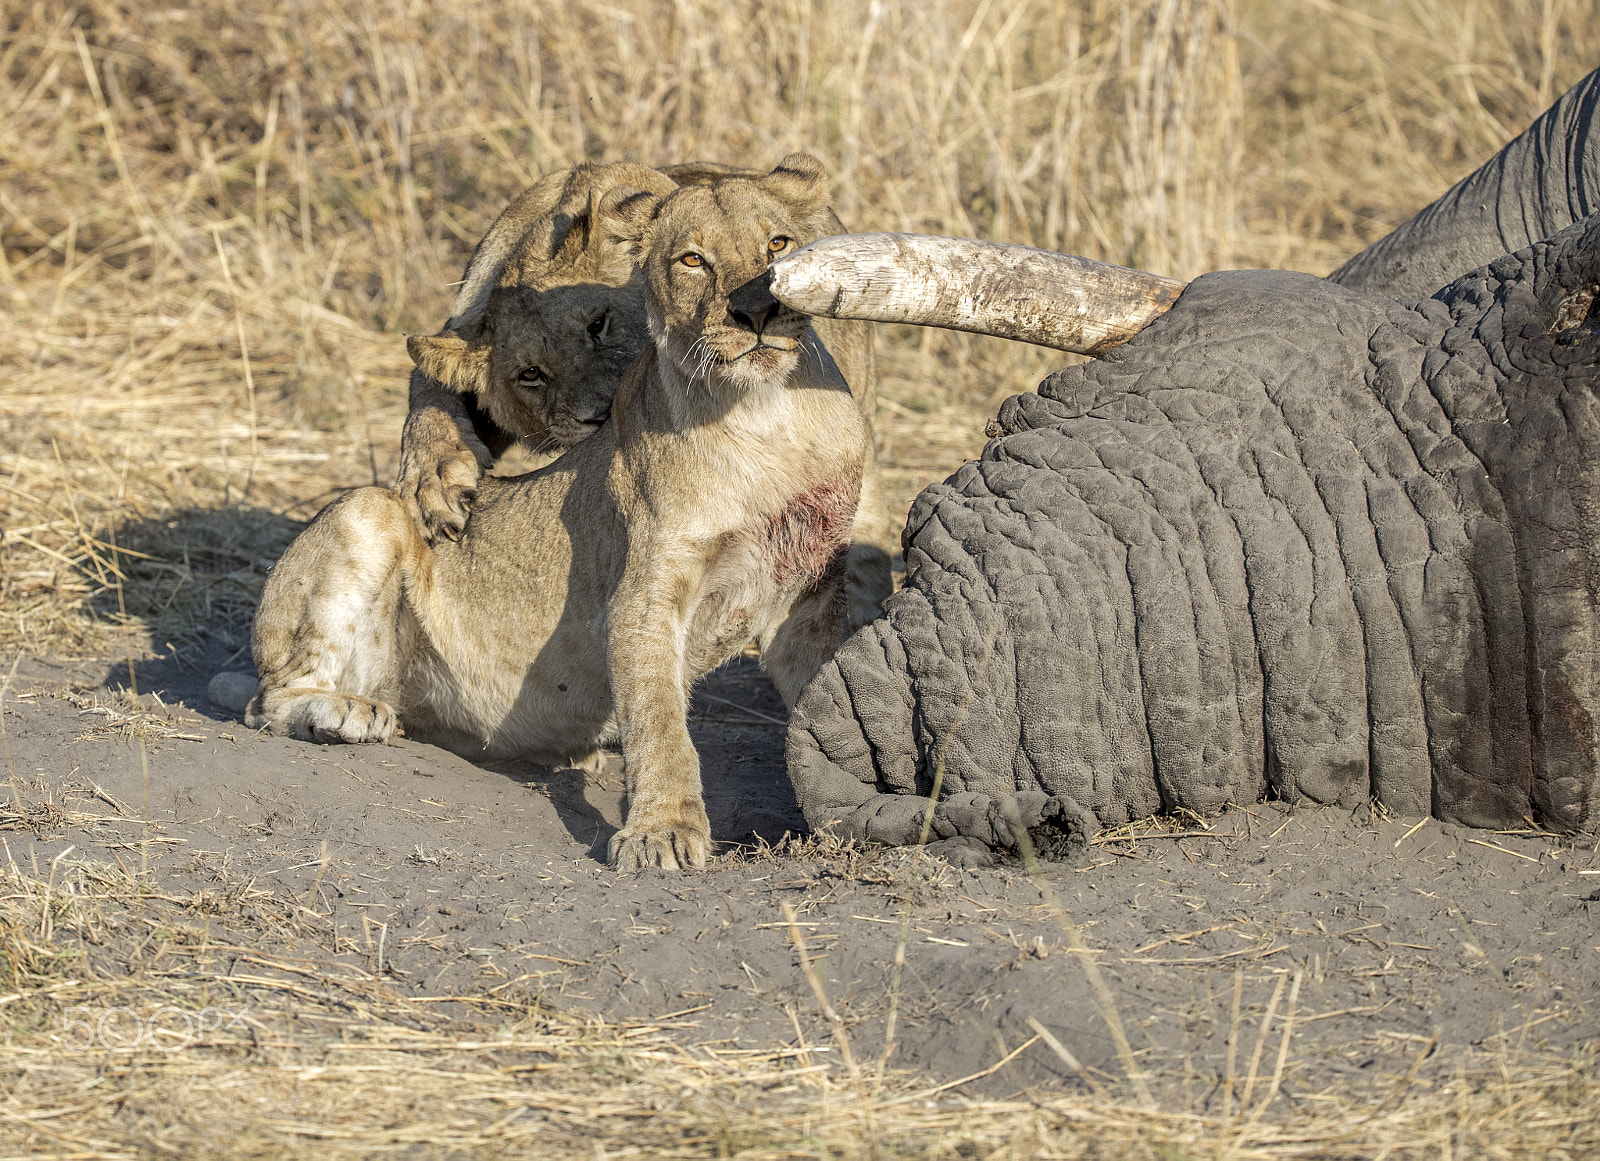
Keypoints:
(817, 624)
(666, 824)
(326, 639)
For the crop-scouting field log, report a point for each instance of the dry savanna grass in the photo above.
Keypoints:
(217, 219)
(143, 1024)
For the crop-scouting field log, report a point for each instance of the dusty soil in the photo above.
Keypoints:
(444, 878)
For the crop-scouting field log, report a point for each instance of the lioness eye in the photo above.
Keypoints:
(692, 259)
(598, 326)
(778, 244)
(531, 377)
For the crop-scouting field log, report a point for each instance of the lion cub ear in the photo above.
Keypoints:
(447, 357)
(620, 216)
(799, 180)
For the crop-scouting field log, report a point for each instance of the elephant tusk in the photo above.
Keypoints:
(1015, 292)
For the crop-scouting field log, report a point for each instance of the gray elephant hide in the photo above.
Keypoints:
(1291, 540)
(1539, 184)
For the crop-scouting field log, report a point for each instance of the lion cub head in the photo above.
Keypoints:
(551, 311)
(710, 307)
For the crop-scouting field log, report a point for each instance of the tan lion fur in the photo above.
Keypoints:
(582, 601)
(551, 294)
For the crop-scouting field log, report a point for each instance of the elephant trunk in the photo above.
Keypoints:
(1014, 292)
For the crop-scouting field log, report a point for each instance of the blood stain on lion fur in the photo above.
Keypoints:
(812, 534)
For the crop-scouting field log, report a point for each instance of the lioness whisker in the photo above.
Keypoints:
(707, 360)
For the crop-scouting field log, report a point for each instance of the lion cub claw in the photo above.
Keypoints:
(446, 497)
(439, 473)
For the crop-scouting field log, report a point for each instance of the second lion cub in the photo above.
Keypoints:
(582, 601)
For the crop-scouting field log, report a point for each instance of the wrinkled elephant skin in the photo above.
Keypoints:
(1292, 540)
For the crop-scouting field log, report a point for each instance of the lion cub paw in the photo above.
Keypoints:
(338, 717)
(444, 495)
(671, 840)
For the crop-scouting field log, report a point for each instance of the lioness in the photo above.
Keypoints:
(582, 601)
(549, 314)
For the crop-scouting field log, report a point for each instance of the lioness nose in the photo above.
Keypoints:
(752, 305)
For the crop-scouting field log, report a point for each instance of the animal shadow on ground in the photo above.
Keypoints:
(736, 719)
(194, 577)
(186, 582)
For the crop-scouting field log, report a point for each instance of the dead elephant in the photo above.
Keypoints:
(1291, 539)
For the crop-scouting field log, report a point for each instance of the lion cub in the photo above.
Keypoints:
(548, 316)
(582, 601)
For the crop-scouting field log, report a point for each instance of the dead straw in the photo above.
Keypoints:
(5, 738)
(840, 1036)
(1233, 1043)
(1065, 1056)
(836, 1023)
(238, 318)
(305, 1053)
(1261, 1043)
(904, 936)
(1283, 1048)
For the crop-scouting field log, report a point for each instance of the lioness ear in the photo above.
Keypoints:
(458, 363)
(801, 181)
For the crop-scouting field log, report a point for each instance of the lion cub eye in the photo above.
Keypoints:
(692, 259)
(532, 377)
(778, 245)
(599, 327)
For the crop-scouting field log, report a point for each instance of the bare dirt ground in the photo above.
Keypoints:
(267, 948)
(1408, 946)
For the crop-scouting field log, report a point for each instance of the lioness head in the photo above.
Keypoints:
(551, 311)
(706, 253)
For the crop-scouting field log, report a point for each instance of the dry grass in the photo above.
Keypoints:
(245, 1052)
(215, 219)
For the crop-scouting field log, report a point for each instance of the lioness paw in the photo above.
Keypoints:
(338, 717)
(681, 844)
